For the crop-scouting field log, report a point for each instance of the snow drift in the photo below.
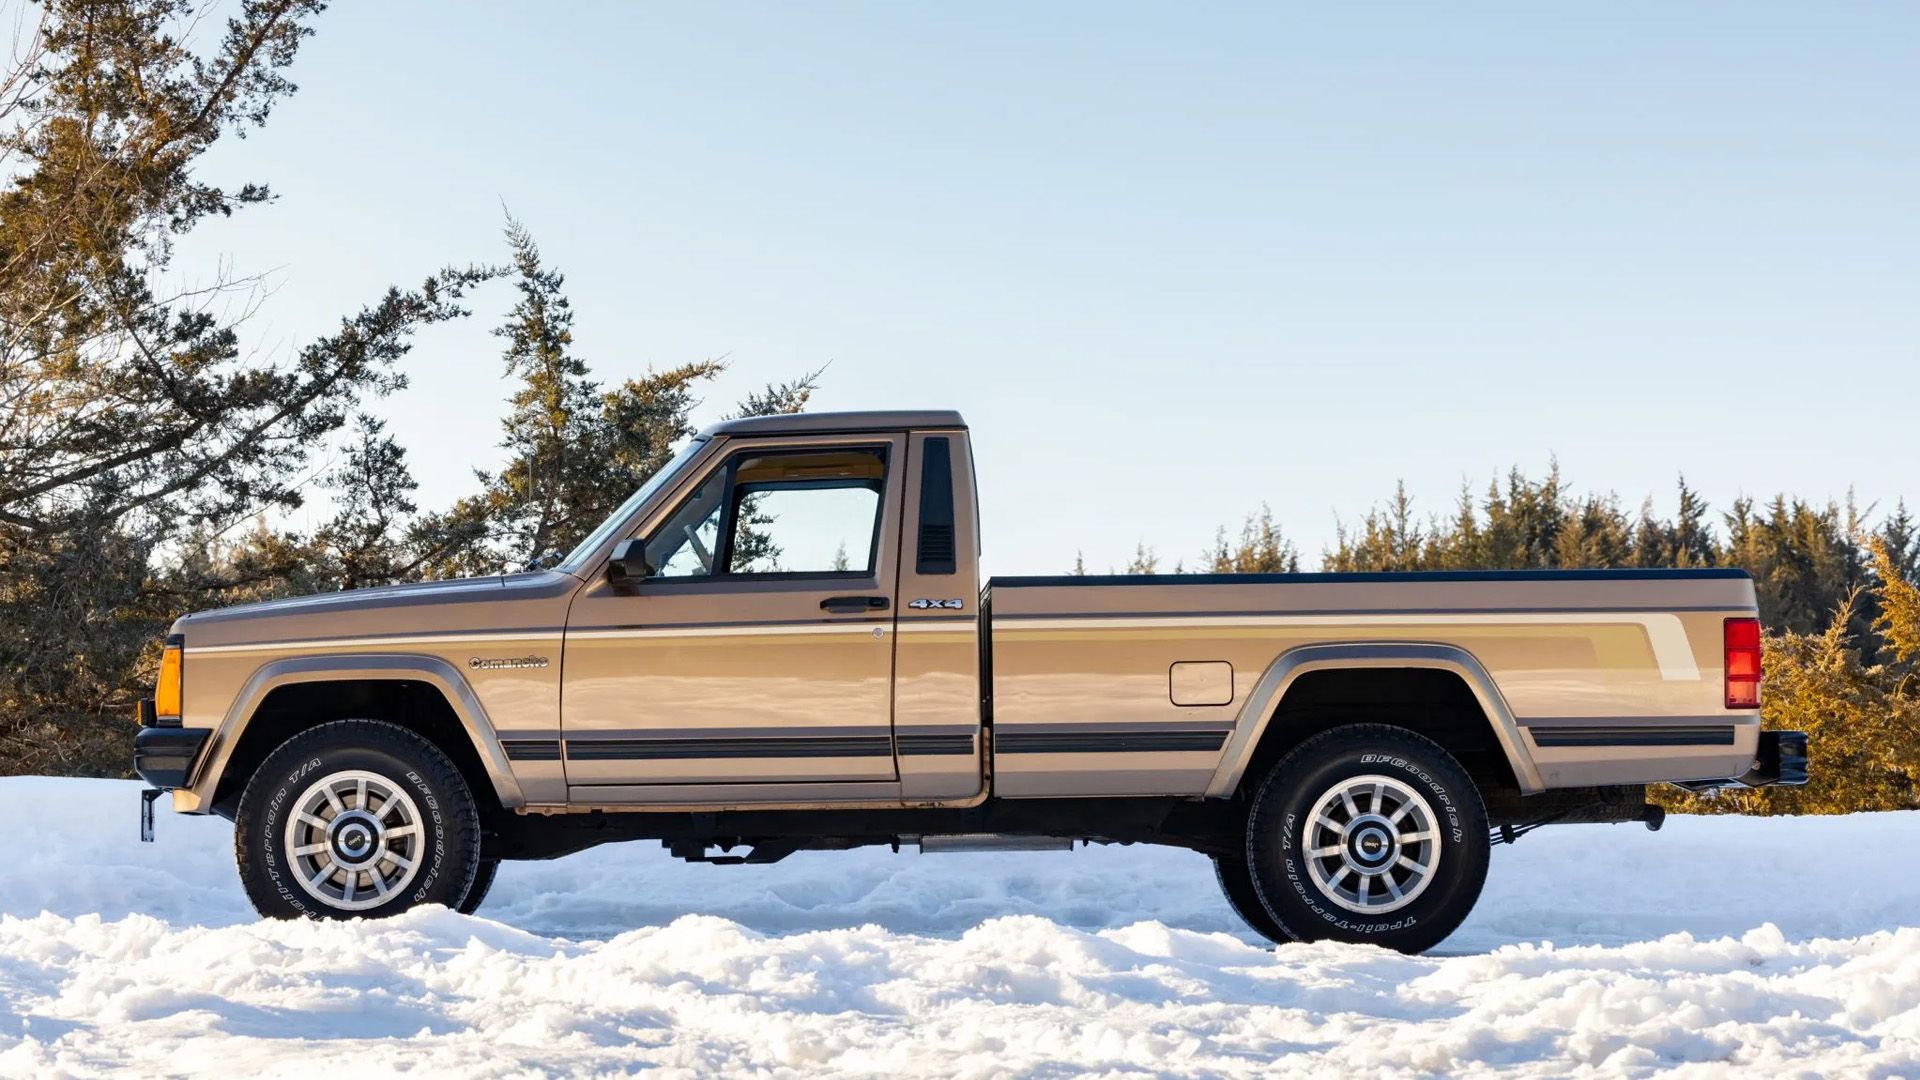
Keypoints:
(1718, 945)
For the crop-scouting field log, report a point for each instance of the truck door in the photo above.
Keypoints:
(759, 651)
(937, 683)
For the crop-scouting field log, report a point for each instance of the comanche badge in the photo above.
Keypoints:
(505, 663)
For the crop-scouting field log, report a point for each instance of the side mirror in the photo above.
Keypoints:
(628, 564)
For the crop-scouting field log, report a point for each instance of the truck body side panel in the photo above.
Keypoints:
(1612, 678)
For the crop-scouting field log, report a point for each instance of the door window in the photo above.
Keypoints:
(808, 512)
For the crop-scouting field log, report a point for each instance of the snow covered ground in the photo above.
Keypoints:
(1716, 946)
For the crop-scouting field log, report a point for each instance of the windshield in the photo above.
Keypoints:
(577, 558)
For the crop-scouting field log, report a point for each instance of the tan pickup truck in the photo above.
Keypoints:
(781, 643)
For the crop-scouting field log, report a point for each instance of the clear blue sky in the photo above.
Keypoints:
(1171, 263)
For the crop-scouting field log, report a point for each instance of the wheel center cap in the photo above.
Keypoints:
(355, 837)
(1371, 843)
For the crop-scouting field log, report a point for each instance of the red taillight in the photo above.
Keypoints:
(1743, 663)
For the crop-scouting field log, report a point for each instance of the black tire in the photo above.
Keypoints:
(401, 768)
(482, 881)
(1416, 769)
(1236, 883)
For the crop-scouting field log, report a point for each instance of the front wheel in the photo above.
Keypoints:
(1236, 884)
(1369, 834)
(356, 819)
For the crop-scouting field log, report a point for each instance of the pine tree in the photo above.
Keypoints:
(1261, 549)
(1898, 623)
(550, 426)
(135, 419)
(1144, 561)
(1900, 536)
(1594, 535)
(374, 496)
(575, 451)
(1804, 561)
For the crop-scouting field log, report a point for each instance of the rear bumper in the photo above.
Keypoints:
(164, 756)
(1780, 761)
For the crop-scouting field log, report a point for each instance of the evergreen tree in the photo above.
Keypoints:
(1900, 536)
(1686, 541)
(574, 451)
(1804, 561)
(551, 426)
(1898, 623)
(1862, 720)
(1261, 549)
(1595, 535)
(1462, 545)
(1524, 521)
(135, 420)
(1389, 540)
(1144, 561)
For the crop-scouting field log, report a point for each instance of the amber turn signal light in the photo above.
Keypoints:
(166, 691)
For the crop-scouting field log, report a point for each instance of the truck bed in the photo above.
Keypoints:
(1158, 685)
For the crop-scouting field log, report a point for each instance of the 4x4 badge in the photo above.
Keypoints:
(922, 605)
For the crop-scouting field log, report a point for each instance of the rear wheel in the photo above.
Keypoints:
(356, 819)
(1236, 883)
(1369, 834)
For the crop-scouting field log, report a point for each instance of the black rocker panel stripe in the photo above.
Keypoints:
(1106, 741)
(754, 747)
(1692, 735)
(936, 745)
(531, 749)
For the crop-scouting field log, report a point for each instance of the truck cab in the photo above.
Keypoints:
(794, 620)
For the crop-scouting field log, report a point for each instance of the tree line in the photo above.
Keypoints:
(1838, 600)
(149, 455)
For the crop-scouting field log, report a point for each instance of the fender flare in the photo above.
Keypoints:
(1263, 702)
(377, 667)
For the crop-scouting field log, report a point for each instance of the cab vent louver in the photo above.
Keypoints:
(936, 554)
(936, 549)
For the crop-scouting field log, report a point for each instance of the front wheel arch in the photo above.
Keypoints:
(423, 694)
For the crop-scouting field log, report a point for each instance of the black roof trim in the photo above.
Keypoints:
(1398, 575)
(839, 423)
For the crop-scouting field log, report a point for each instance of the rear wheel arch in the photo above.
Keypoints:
(422, 694)
(1439, 691)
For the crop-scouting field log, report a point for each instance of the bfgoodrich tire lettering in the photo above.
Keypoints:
(432, 804)
(1421, 879)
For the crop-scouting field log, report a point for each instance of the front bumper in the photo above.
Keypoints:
(164, 756)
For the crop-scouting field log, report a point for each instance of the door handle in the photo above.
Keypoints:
(853, 605)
